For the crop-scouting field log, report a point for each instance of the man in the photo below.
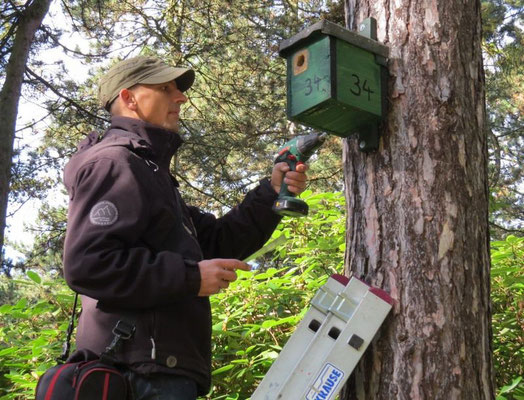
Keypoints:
(133, 247)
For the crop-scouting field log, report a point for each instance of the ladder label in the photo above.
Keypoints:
(326, 383)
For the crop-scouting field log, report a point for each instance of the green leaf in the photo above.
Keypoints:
(22, 303)
(222, 369)
(511, 386)
(34, 277)
(272, 323)
(9, 350)
(6, 308)
(240, 361)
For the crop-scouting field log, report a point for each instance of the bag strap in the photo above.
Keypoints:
(123, 330)
(66, 347)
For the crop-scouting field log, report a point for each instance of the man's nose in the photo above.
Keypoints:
(179, 97)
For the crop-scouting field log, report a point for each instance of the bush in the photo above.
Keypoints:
(32, 330)
(254, 317)
(507, 296)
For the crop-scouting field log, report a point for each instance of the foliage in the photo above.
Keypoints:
(46, 252)
(236, 107)
(503, 22)
(251, 323)
(507, 295)
(10, 12)
(254, 317)
(251, 320)
(32, 328)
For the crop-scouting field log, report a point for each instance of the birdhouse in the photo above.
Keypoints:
(336, 80)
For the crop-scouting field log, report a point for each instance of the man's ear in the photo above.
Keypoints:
(128, 99)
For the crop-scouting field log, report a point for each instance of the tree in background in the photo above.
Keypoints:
(503, 47)
(34, 171)
(418, 207)
(17, 31)
(236, 117)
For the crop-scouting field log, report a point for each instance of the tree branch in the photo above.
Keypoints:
(508, 230)
(201, 191)
(68, 99)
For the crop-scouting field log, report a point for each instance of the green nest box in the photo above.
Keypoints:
(336, 80)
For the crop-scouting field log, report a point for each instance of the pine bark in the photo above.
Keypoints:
(418, 207)
(28, 22)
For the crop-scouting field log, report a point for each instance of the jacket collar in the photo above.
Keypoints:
(157, 143)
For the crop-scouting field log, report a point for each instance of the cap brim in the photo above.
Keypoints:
(183, 77)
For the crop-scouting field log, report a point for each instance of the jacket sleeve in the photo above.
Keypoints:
(103, 255)
(241, 231)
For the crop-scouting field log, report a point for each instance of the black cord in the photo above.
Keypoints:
(66, 348)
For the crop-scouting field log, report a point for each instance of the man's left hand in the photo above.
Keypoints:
(295, 180)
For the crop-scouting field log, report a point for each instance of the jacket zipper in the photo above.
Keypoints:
(191, 232)
(152, 337)
(153, 348)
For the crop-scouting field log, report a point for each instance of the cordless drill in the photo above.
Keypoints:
(295, 152)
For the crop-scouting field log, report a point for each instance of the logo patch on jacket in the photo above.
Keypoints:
(103, 213)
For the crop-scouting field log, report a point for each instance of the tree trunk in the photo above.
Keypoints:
(418, 207)
(28, 22)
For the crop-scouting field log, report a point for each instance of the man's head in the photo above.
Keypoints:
(145, 88)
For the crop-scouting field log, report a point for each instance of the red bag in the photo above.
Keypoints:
(83, 377)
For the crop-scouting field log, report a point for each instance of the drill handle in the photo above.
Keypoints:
(287, 204)
(284, 191)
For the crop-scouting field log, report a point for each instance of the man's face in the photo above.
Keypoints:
(159, 104)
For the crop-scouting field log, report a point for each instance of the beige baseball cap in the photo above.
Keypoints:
(148, 70)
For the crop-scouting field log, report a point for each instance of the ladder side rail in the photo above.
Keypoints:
(340, 316)
(291, 353)
(337, 365)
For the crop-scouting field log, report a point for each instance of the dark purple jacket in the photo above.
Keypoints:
(132, 244)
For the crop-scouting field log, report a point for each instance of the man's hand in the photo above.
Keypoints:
(216, 274)
(295, 180)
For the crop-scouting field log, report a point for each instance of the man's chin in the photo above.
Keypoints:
(171, 127)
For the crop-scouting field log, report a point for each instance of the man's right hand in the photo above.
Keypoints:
(217, 273)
